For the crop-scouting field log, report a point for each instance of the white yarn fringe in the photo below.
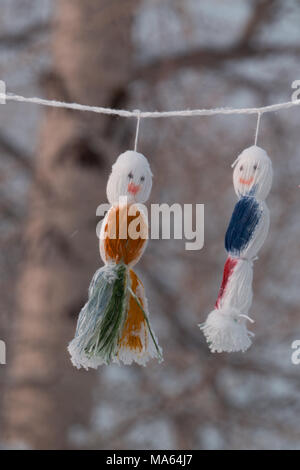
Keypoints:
(226, 331)
(125, 355)
(80, 360)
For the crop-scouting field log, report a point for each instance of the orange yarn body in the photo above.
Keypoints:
(118, 244)
(135, 319)
(120, 247)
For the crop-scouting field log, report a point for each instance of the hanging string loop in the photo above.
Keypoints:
(138, 114)
(259, 114)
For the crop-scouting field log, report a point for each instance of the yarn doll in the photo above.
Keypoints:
(113, 326)
(225, 328)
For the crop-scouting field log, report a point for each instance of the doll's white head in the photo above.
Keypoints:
(253, 173)
(131, 177)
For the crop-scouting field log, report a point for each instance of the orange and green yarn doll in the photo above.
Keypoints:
(114, 326)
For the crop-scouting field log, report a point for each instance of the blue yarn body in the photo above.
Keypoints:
(244, 220)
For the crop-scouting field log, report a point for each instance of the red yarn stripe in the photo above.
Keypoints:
(228, 270)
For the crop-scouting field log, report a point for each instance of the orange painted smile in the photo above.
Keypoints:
(133, 188)
(247, 182)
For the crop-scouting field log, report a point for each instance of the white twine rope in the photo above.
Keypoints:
(150, 114)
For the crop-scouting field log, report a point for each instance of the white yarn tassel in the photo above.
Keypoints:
(226, 331)
(225, 328)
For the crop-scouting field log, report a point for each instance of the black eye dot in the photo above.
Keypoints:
(142, 178)
(241, 168)
(255, 167)
(130, 176)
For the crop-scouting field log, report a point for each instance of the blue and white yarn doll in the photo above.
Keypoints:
(225, 328)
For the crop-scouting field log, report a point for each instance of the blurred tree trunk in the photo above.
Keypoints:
(92, 64)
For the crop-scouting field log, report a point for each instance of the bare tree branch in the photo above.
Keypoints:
(7, 146)
(263, 12)
(160, 69)
(22, 38)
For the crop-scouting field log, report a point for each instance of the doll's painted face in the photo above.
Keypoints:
(253, 173)
(131, 177)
